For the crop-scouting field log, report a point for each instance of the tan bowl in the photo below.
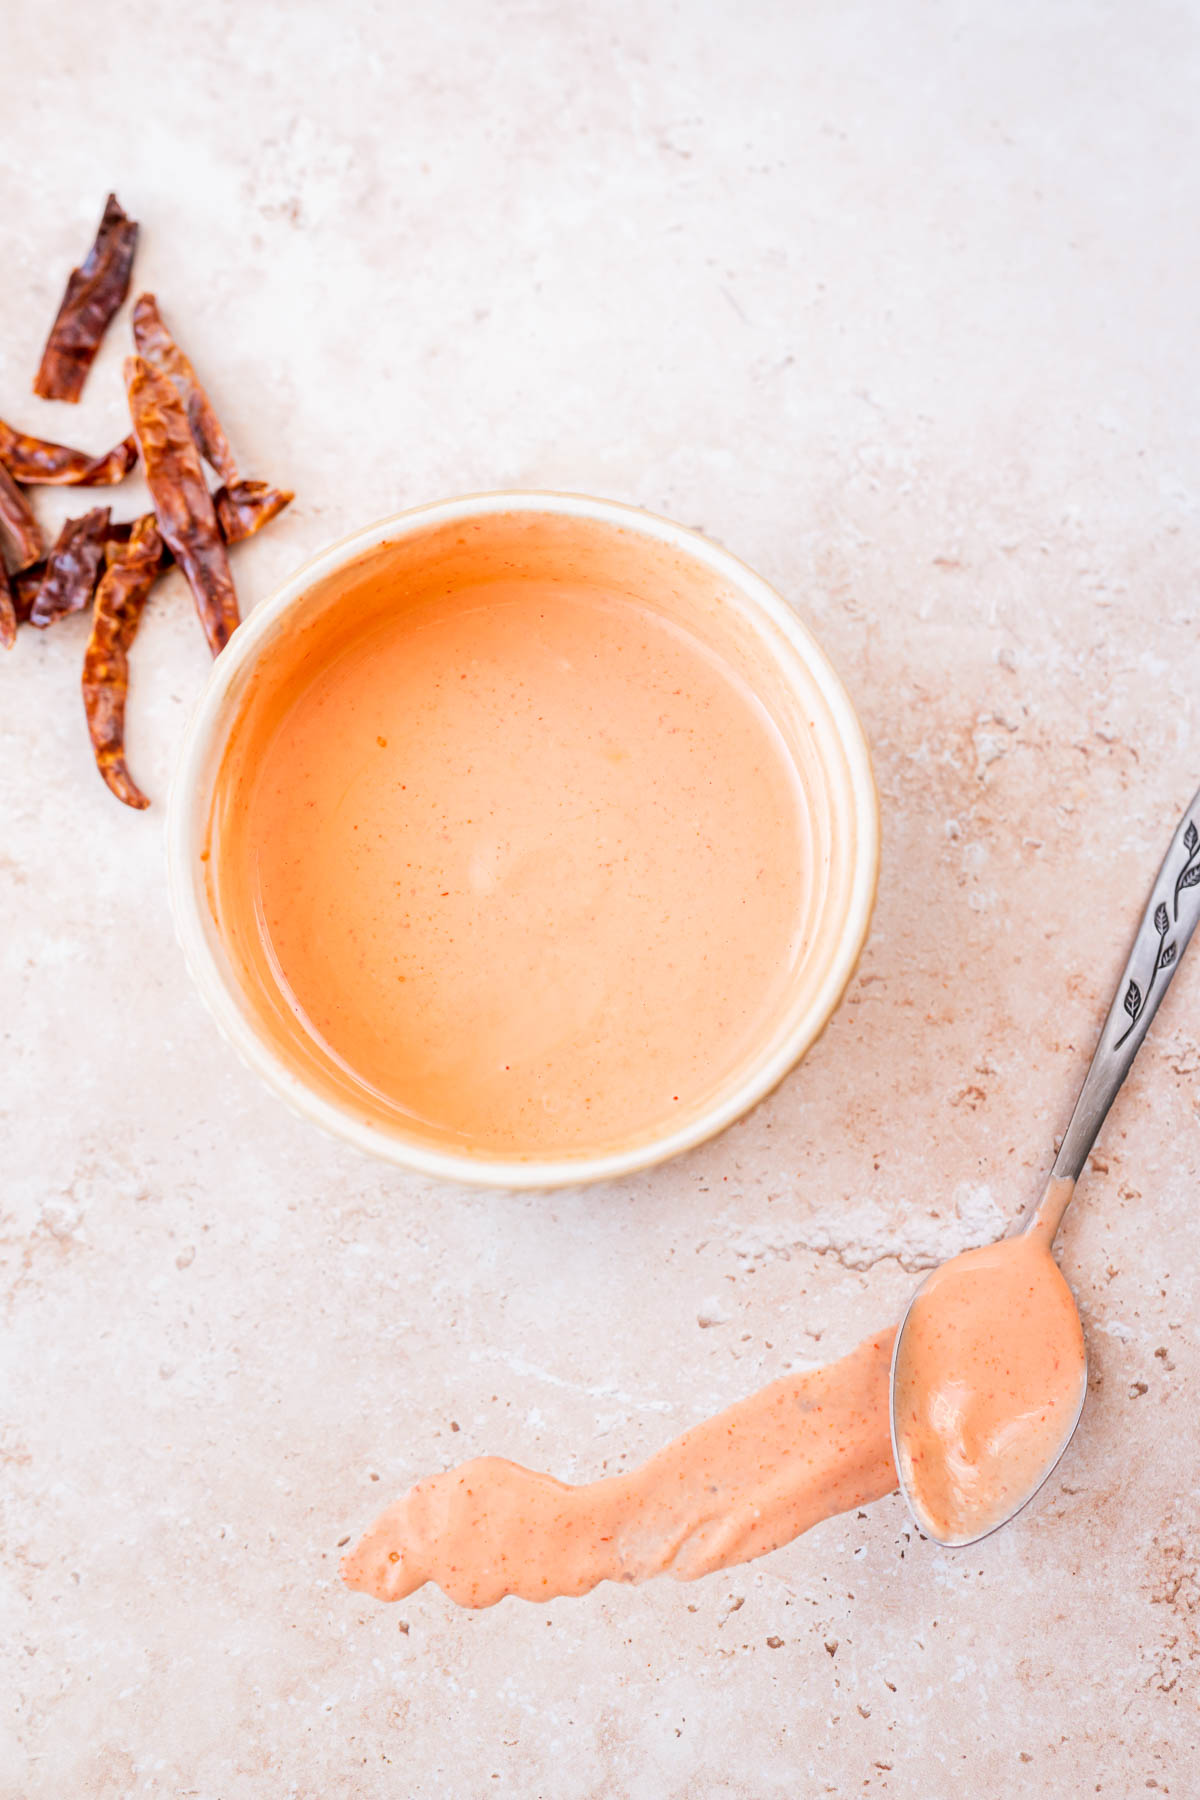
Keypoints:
(677, 572)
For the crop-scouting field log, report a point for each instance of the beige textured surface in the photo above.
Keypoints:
(900, 303)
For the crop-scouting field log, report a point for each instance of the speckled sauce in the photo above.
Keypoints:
(741, 1484)
(527, 860)
(990, 1376)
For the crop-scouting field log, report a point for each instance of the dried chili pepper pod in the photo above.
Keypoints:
(17, 523)
(72, 568)
(94, 292)
(244, 507)
(42, 463)
(160, 350)
(121, 598)
(186, 517)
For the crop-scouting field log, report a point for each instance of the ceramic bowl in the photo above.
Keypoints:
(724, 601)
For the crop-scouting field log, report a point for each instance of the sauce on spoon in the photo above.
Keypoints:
(989, 1380)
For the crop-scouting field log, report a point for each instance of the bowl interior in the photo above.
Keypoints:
(674, 576)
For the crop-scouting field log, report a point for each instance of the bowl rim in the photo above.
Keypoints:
(187, 882)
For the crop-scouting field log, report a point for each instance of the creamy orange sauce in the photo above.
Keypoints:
(525, 860)
(989, 1380)
(990, 1377)
(735, 1487)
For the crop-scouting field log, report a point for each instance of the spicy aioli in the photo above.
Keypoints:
(527, 863)
(733, 1488)
(990, 1377)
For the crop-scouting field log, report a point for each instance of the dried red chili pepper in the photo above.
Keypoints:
(160, 350)
(125, 586)
(18, 524)
(8, 611)
(42, 463)
(72, 568)
(94, 292)
(186, 517)
(245, 507)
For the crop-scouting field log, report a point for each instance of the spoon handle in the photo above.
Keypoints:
(1171, 916)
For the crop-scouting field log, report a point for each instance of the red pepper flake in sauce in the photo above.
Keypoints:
(40, 462)
(186, 516)
(72, 568)
(94, 292)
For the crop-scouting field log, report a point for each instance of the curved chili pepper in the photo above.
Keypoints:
(45, 464)
(121, 598)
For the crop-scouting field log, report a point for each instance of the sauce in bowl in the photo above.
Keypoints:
(527, 859)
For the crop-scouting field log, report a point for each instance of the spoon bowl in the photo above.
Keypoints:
(988, 1381)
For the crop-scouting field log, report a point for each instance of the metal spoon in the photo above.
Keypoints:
(1171, 915)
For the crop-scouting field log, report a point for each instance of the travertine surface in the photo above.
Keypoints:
(900, 303)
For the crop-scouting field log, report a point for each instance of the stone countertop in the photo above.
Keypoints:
(899, 303)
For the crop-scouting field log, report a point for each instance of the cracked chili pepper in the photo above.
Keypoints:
(182, 502)
(94, 292)
(160, 350)
(18, 524)
(72, 568)
(132, 569)
(42, 463)
(244, 507)
(8, 611)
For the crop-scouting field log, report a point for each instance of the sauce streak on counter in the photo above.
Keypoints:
(989, 1382)
(735, 1487)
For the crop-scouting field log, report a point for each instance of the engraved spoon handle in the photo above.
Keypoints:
(1171, 916)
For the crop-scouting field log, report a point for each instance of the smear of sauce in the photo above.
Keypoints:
(989, 1383)
(990, 1376)
(733, 1488)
